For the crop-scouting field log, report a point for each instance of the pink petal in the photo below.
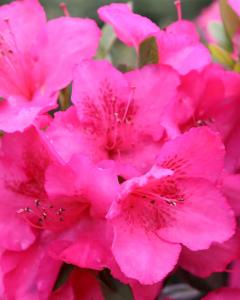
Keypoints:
(26, 19)
(64, 133)
(191, 159)
(202, 218)
(20, 24)
(136, 250)
(158, 84)
(84, 182)
(87, 245)
(179, 45)
(124, 23)
(29, 274)
(16, 114)
(16, 118)
(70, 40)
(11, 239)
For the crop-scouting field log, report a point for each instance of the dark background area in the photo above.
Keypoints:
(160, 11)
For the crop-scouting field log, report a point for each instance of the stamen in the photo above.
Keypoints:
(64, 8)
(179, 9)
(42, 215)
(130, 100)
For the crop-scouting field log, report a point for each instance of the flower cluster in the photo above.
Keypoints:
(135, 172)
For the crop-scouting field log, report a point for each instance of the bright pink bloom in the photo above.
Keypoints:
(112, 119)
(175, 203)
(37, 59)
(210, 98)
(40, 195)
(178, 46)
(32, 193)
(215, 259)
(223, 294)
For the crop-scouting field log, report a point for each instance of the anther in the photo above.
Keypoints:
(37, 202)
(44, 214)
(201, 123)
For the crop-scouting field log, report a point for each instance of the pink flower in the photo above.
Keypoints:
(176, 203)
(116, 116)
(210, 98)
(33, 193)
(37, 59)
(178, 46)
(42, 196)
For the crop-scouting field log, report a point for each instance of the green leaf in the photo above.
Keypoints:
(64, 98)
(222, 56)
(148, 52)
(217, 30)
(122, 55)
(107, 40)
(230, 19)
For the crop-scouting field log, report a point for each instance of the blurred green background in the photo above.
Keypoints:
(160, 11)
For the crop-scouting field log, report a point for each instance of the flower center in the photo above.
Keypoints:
(110, 120)
(48, 215)
(149, 206)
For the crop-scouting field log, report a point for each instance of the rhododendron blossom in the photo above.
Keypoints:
(32, 65)
(28, 176)
(173, 204)
(121, 118)
(119, 154)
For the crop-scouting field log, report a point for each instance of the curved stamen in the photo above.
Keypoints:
(64, 8)
(179, 9)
